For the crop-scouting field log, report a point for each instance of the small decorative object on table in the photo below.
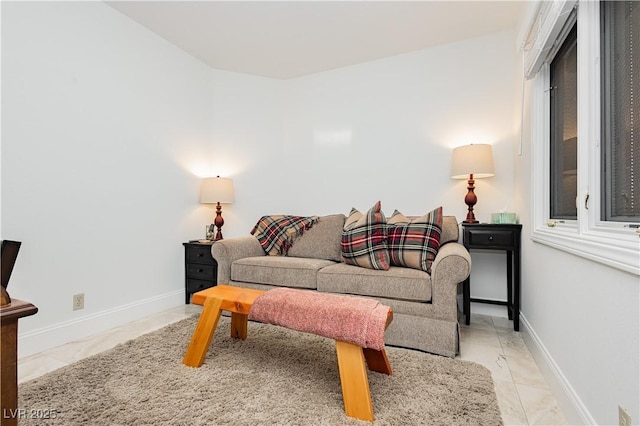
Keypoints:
(504, 217)
(209, 233)
(200, 268)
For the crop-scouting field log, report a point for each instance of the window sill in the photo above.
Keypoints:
(610, 250)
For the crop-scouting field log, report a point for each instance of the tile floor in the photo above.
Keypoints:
(523, 395)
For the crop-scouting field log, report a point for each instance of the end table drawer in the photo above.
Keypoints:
(489, 238)
(197, 285)
(202, 272)
(199, 255)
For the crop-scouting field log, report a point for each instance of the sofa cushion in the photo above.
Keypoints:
(414, 243)
(278, 270)
(364, 239)
(396, 283)
(322, 241)
(450, 230)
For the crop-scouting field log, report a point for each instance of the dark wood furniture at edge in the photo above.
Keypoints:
(10, 314)
(200, 268)
(493, 236)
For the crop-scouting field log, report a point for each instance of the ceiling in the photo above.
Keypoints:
(287, 39)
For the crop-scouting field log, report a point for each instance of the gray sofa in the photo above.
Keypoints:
(425, 311)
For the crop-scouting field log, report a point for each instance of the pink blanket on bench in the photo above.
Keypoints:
(351, 319)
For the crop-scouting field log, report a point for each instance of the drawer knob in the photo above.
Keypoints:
(200, 254)
(200, 270)
(490, 237)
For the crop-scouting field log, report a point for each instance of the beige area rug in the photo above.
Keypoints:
(276, 376)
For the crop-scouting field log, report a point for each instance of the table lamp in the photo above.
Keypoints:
(469, 162)
(217, 190)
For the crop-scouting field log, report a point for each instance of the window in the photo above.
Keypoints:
(585, 67)
(563, 118)
(620, 44)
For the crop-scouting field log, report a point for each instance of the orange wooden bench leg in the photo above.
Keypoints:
(354, 380)
(377, 360)
(201, 339)
(239, 325)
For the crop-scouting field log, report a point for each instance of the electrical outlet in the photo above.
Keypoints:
(78, 301)
(624, 418)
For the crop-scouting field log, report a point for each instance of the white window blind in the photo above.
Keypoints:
(543, 33)
(563, 122)
(621, 117)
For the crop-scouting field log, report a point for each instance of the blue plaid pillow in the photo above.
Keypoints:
(414, 243)
(364, 239)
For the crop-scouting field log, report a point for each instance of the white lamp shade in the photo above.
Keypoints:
(216, 190)
(472, 159)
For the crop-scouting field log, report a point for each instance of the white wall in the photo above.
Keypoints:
(95, 110)
(247, 140)
(384, 130)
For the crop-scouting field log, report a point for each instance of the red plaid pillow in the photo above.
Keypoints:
(364, 239)
(414, 243)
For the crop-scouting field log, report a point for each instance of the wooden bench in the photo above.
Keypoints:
(351, 357)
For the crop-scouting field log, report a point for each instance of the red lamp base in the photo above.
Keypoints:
(470, 200)
(218, 222)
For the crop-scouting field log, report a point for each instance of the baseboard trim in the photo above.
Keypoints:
(570, 403)
(49, 337)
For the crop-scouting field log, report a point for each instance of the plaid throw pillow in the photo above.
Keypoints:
(364, 239)
(277, 233)
(414, 243)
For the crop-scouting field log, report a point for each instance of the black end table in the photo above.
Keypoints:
(200, 268)
(503, 237)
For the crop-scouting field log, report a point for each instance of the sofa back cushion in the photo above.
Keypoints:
(322, 241)
(450, 230)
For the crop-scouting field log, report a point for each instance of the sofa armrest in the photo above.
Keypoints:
(451, 266)
(225, 252)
